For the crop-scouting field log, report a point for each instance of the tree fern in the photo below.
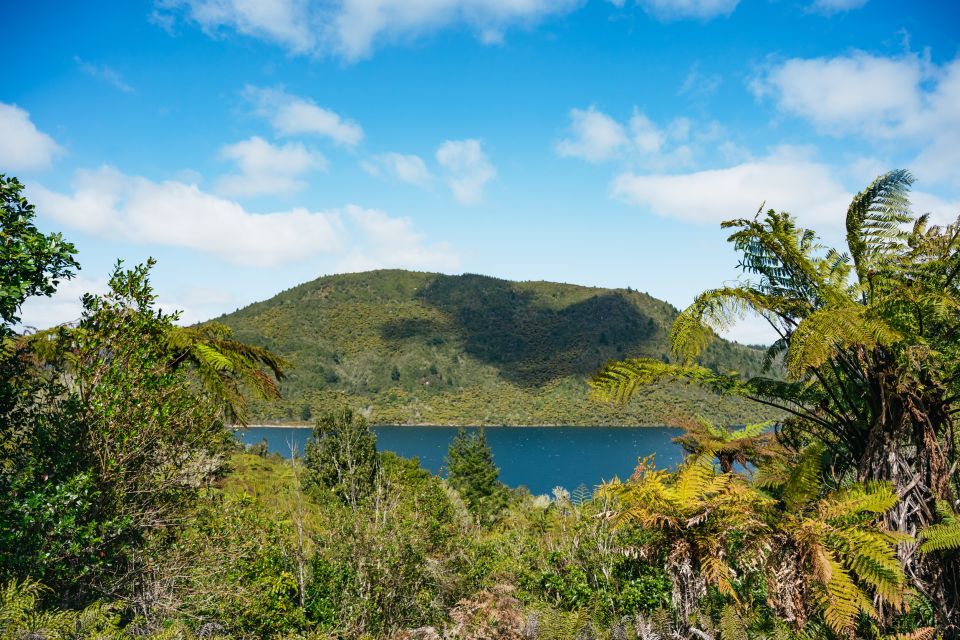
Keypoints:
(701, 511)
(848, 554)
(747, 444)
(872, 351)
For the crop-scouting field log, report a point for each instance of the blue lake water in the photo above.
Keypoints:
(539, 458)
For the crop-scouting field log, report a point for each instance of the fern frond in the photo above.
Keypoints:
(875, 218)
(804, 478)
(873, 498)
(732, 626)
(619, 381)
(826, 331)
(716, 310)
(940, 537)
(208, 356)
(846, 600)
(873, 559)
(923, 633)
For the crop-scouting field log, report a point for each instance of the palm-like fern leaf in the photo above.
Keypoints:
(825, 332)
(226, 366)
(875, 219)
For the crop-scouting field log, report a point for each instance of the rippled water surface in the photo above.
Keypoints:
(538, 457)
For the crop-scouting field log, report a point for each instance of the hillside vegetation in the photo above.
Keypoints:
(413, 348)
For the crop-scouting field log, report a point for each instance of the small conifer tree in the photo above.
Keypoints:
(472, 472)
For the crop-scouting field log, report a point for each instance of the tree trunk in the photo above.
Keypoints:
(905, 448)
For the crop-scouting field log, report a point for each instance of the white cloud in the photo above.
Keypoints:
(405, 168)
(594, 136)
(942, 212)
(836, 6)
(64, 306)
(105, 73)
(108, 203)
(697, 84)
(786, 180)
(359, 24)
(352, 29)
(285, 22)
(42, 312)
(859, 92)
(22, 145)
(198, 303)
(292, 115)
(468, 170)
(688, 9)
(393, 242)
(647, 137)
(904, 100)
(268, 169)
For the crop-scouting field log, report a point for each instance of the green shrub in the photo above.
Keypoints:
(341, 457)
(391, 563)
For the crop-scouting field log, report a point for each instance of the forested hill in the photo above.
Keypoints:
(411, 348)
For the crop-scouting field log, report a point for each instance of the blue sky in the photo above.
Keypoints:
(250, 146)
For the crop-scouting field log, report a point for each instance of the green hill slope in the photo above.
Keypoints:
(414, 348)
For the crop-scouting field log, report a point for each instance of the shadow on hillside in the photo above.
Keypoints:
(528, 342)
(406, 328)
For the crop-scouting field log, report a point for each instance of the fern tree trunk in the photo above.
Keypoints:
(908, 446)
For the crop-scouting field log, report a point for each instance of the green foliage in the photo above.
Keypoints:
(394, 562)
(258, 559)
(470, 350)
(238, 568)
(226, 367)
(31, 263)
(22, 617)
(342, 456)
(106, 446)
(943, 536)
(472, 472)
(732, 626)
(872, 357)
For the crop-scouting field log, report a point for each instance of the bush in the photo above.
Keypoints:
(106, 448)
(342, 457)
(239, 567)
(393, 563)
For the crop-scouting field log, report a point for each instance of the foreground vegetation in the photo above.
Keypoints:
(127, 510)
(425, 348)
(279, 548)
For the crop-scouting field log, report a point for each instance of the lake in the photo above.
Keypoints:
(539, 458)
